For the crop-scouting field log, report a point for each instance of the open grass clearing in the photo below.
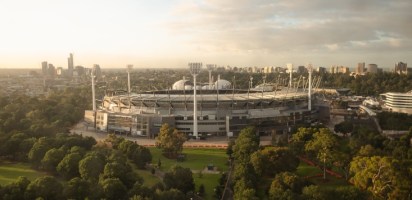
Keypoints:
(196, 159)
(9, 172)
(209, 181)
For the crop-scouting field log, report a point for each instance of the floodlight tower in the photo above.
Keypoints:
(310, 70)
(195, 70)
(93, 98)
(129, 69)
(290, 68)
(210, 69)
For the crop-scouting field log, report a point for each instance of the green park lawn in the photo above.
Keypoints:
(196, 159)
(149, 179)
(305, 170)
(9, 172)
(209, 181)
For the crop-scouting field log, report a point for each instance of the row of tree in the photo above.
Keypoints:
(371, 162)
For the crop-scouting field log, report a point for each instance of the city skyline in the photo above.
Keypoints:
(173, 33)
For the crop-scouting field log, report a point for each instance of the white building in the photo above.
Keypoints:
(398, 102)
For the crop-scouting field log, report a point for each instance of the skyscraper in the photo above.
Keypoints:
(44, 68)
(70, 65)
(372, 68)
(401, 68)
(360, 69)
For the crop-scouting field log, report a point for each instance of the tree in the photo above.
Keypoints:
(286, 185)
(344, 127)
(15, 190)
(201, 190)
(179, 178)
(170, 140)
(69, 165)
(246, 144)
(77, 188)
(322, 144)
(91, 166)
(46, 187)
(300, 138)
(38, 150)
(123, 172)
(114, 189)
(272, 160)
(375, 174)
(51, 159)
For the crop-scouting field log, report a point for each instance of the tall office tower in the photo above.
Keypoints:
(70, 65)
(360, 69)
(44, 68)
(51, 71)
(401, 68)
(372, 68)
(97, 71)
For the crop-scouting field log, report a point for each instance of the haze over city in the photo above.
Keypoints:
(172, 33)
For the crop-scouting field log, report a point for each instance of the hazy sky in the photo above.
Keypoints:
(171, 33)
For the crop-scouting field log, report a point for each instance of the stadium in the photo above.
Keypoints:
(221, 109)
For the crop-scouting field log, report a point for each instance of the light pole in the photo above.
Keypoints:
(210, 69)
(195, 70)
(310, 70)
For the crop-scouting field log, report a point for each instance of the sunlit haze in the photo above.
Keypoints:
(225, 32)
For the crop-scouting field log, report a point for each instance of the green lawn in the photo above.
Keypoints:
(196, 159)
(149, 178)
(305, 170)
(9, 172)
(210, 181)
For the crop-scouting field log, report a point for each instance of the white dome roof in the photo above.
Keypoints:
(181, 85)
(222, 84)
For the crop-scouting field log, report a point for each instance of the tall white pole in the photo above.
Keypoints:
(194, 70)
(129, 68)
(290, 68)
(310, 69)
(210, 69)
(93, 92)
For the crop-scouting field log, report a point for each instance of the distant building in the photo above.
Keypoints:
(70, 65)
(51, 72)
(268, 70)
(398, 102)
(97, 71)
(44, 68)
(321, 70)
(401, 68)
(372, 68)
(339, 70)
(59, 71)
(360, 70)
(301, 70)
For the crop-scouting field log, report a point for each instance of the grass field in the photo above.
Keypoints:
(305, 170)
(149, 178)
(210, 181)
(9, 172)
(196, 159)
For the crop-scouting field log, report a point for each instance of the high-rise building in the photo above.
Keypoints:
(97, 71)
(360, 69)
(372, 68)
(51, 71)
(401, 68)
(44, 68)
(70, 65)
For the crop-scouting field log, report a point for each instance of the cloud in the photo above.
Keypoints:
(279, 27)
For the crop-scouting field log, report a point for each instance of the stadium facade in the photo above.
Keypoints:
(221, 109)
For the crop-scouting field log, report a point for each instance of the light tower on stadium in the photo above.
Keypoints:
(210, 69)
(129, 69)
(290, 68)
(310, 70)
(195, 70)
(93, 97)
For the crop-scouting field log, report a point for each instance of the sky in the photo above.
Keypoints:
(172, 33)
